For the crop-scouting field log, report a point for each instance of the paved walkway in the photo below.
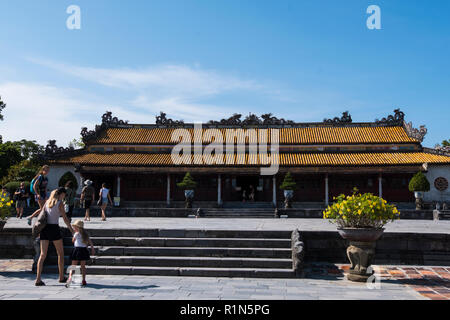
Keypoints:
(417, 226)
(323, 281)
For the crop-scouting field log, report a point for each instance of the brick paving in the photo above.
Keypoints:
(430, 282)
(322, 281)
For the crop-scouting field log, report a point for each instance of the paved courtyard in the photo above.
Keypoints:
(323, 281)
(419, 226)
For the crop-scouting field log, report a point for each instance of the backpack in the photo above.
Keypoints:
(33, 182)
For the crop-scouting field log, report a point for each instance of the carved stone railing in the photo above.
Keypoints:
(298, 253)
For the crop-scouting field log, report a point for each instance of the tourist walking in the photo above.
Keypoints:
(21, 196)
(39, 189)
(87, 197)
(69, 200)
(104, 198)
(80, 253)
(54, 208)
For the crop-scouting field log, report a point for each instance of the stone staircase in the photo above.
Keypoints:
(238, 213)
(209, 253)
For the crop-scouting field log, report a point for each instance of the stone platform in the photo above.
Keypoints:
(227, 212)
(231, 247)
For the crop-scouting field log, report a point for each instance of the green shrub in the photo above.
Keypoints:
(419, 183)
(68, 176)
(188, 182)
(288, 183)
(14, 185)
(361, 211)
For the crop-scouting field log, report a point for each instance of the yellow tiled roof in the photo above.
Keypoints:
(286, 159)
(309, 135)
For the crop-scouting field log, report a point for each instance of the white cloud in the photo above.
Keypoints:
(43, 112)
(178, 90)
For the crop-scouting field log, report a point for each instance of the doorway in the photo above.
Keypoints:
(247, 186)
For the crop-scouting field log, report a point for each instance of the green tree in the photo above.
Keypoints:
(2, 106)
(419, 183)
(188, 182)
(9, 155)
(77, 143)
(288, 183)
(23, 171)
(446, 143)
(29, 149)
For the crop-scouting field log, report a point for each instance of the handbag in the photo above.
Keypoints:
(40, 223)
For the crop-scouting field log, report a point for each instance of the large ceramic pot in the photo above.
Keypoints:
(189, 194)
(288, 195)
(360, 251)
(419, 199)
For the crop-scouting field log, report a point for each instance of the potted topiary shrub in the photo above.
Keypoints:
(360, 219)
(288, 185)
(419, 184)
(188, 185)
(6, 209)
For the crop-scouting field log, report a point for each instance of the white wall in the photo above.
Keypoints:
(435, 171)
(56, 172)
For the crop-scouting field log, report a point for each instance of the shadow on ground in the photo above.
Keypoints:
(110, 286)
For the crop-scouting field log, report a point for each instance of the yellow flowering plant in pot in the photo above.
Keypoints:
(6, 209)
(360, 219)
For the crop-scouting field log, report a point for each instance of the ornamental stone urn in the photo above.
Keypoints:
(288, 195)
(419, 199)
(360, 251)
(189, 195)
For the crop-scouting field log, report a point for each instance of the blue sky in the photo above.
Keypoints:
(202, 60)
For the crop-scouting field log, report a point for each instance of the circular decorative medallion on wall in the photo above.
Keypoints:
(441, 184)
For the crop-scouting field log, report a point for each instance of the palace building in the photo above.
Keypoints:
(325, 158)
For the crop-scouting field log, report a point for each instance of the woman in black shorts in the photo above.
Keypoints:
(55, 209)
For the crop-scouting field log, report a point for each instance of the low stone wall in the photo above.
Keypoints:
(182, 212)
(391, 248)
(326, 246)
(318, 213)
(16, 244)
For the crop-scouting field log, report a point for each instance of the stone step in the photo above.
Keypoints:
(195, 252)
(186, 251)
(185, 272)
(271, 216)
(188, 242)
(179, 261)
(187, 233)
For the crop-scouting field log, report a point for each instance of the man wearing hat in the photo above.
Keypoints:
(87, 198)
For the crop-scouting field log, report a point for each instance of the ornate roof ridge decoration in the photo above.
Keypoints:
(53, 151)
(393, 120)
(52, 148)
(108, 121)
(164, 121)
(418, 134)
(444, 150)
(346, 118)
(251, 119)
